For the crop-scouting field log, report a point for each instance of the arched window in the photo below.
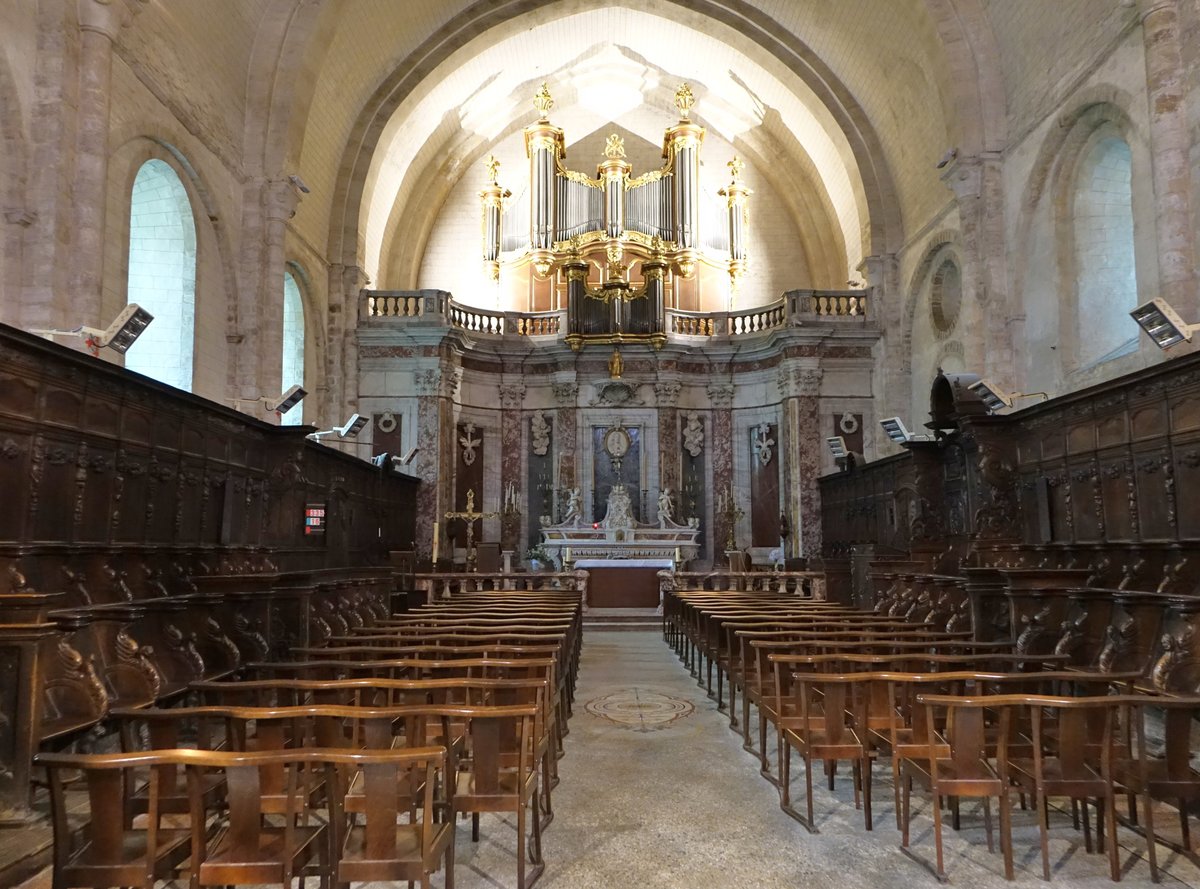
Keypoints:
(293, 344)
(1104, 255)
(162, 274)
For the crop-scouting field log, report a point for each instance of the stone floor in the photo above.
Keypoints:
(657, 793)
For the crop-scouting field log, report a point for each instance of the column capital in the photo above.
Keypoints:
(512, 396)
(720, 394)
(280, 198)
(566, 393)
(107, 17)
(1147, 8)
(666, 392)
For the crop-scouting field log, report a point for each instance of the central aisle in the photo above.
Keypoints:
(656, 791)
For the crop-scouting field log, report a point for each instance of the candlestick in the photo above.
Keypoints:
(436, 525)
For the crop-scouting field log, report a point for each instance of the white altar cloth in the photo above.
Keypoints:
(624, 563)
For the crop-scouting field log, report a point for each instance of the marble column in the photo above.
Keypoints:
(99, 23)
(789, 453)
(436, 389)
(808, 464)
(566, 395)
(666, 393)
(1170, 147)
(512, 398)
(720, 395)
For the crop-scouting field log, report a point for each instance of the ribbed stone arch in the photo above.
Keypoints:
(882, 230)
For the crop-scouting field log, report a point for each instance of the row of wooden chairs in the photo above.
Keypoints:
(958, 719)
(489, 698)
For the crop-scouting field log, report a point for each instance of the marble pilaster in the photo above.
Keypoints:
(512, 397)
(667, 397)
(566, 395)
(720, 395)
(808, 460)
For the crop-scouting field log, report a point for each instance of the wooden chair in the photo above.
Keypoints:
(1170, 776)
(251, 848)
(378, 846)
(1067, 769)
(501, 775)
(956, 764)
(112, 852)
(823, 727)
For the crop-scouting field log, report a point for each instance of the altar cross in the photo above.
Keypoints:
(470, 516)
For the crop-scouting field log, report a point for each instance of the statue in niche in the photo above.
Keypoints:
(539, 431)
(615, 365)
(574, 508)
(664, 507)
(693, 434)
(763, 443)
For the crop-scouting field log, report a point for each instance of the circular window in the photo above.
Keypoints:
(946, 296)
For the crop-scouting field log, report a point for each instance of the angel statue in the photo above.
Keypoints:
(664, 506)
(574, 507)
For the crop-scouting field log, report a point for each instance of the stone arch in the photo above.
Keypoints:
(883, 232)
(976, 83)
(943, 244)
(216, 289)
(162, 273)
(314, 335)
(284, 62)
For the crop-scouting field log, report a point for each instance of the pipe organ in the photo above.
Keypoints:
(582, 241)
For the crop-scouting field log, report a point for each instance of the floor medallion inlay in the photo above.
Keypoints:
(639, 709)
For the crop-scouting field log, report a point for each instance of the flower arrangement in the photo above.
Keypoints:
(537, 556)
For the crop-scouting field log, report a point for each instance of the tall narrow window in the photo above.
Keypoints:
(1104, 252)
(293, 344)
(162, 274)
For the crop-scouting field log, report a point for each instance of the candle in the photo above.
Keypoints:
(435, 544)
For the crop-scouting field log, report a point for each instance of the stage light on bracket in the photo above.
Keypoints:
(837, 446)
(995, 399)
(898, 432)
(118, 336)
(350, 429)
(1162, 323)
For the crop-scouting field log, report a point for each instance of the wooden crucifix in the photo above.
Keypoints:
(469, 515)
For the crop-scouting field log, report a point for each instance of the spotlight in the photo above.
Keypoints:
(1162, 323)
(837, 447)
(279, 405)
(352, 427)
(288, 399)
(118, 336)
(407, 458)
(898, 432)
(994, 398)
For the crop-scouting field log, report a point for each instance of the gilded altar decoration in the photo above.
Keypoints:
(657, 240)
(543, 102)
(684, 100)
(615, 365)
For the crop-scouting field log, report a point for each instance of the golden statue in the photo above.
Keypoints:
(736, 167)
(615, 364)
(684, 100)
(493, 169)
(543, 103)
(614, 148)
